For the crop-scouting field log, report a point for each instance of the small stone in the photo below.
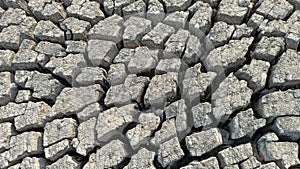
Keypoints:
(250, 163)
(135, 29)
(195, 84)
(12, 16)
(5, 135)
(75, 29)
(91, 75)
(255, 74)
(25, 59)
(124, 56)
(76, 46)
(273, 9)
(142, 159)
(11, 110)
(10, 37)
(166, 132)
(233, 155)
(169, 65)
(28, 44)
(6, 58)
(19, 31)
(29, 162)
(73, 100)
(22, 4)
(86, 10)
(66, 67)
(25, 144)
(101, 52)
(178, 110)
(50, 49)
(155, 11)
(44, 86)
(117, 95)
(201, 114)
(131, 91)
(89, 111)
(110, 6)
(58, 130)
(203, 142)
(54, 12)
(136, 86)
(34, 116)
(109, 156)
(116, 74)
(144, 60)
(23, 96)
(271, 165)
(8, 89)
(147, 123)
(210, 163)
(176, 5)
(255, 20)
(175, 45)
(66, 162)
(220, 33)
(285, 153)
(193, 51)
(57, 150)
(157, 37)
(200, 22)
(274, 28)
(86, 136)
(279, 103)
(4, 159)
(114, 119)
(117, 6)
(228, 56)
(109, 29)
(287, 126)
(48, 31)
(292, 37)
(231, 95)
(268, 48)
(286, 71)
(242, 31)
(137, 8)
(47, 10)
(169, 152)
(162, 88)
(233, 12)
(245, 124)
(36, 7)
(177, 20)
(292, 40)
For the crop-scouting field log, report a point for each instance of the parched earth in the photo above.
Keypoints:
(138, 84)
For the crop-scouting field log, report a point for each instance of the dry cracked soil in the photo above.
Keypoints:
(145, 84)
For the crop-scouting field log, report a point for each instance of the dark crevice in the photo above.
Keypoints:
(124, 163)
(156, 164)
(159, 126)
(40, 129)
(129, 127)
(149, 74)
(274, 62)
(142, 105)
(60, 79)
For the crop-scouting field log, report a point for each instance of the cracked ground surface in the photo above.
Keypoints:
(138, 84)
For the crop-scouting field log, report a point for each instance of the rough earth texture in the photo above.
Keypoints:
(138, 84)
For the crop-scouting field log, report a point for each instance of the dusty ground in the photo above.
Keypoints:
(188, 84)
